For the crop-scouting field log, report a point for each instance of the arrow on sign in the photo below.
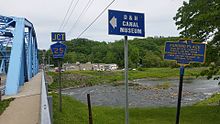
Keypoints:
(113, 22)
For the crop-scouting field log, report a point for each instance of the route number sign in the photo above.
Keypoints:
(58, 50)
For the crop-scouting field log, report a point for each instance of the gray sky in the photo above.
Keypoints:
(47, 16)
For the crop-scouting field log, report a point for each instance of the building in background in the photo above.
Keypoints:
(89, 66)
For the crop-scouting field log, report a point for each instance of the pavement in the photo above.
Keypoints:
(25, 109)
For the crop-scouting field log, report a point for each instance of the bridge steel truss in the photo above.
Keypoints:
(18, 48)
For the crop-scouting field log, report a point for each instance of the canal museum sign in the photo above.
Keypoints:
(126, 23)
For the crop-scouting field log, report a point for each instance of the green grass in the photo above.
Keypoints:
(75, 112)
(213, 100)
(163, 73)
(4, 104)
(89, 78)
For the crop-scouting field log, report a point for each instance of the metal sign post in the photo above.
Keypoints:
(179, 94)
(184, 52)
(58, 49)
(126, 24)
(60, 87)
(126, 78)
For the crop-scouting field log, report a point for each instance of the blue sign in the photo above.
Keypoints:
(58, 36)
(185, 52)
(126, 23)
(58, 50)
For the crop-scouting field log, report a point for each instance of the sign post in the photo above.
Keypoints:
(58, 49)
(126, 78)
(179, 94)
(60, 89)
(184, 52)
(126, 24)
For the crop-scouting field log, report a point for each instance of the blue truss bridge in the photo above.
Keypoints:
(19, 72)
(18, 49)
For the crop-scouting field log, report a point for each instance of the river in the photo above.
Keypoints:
(147, 92)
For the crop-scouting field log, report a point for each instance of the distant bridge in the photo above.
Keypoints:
(18, 52)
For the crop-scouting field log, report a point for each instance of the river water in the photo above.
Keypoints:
(147, 92)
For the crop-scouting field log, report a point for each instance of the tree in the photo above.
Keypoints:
(133, 56)
(200, 20)
(70, 57)
(110, 57)
(151, 60)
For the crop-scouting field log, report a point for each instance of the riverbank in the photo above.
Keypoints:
(75, 112)
(147, 92)
(90, 78)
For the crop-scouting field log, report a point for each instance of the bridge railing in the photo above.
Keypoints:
(46, 108)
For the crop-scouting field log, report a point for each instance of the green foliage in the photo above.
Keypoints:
(213, 100)
(198, 19)
(151, 60)
(210, 72)
(40, 55)
(75, 112)
(4, 104)
(140, 52)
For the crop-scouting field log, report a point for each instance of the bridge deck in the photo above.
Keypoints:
(25, 109)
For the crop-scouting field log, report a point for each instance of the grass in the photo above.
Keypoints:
(163, 73)
(75, 112)
(89, 78)
(4, 104)
(213, 100)
(164, 85)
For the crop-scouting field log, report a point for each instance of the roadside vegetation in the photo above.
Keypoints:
(4, 104)
(90, 78)
(213, 100)
(75, 112)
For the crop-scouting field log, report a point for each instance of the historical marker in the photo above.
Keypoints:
(126, 23)
(185, 52)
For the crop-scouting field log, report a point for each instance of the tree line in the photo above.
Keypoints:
(146, 52)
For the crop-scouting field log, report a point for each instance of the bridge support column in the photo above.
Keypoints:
(30, 58)
(15, 75)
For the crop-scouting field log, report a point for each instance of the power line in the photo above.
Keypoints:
(95, 19)
(70, 14)
(84, 11)
(66, 14)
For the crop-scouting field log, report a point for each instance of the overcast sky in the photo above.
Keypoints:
(47, 16)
